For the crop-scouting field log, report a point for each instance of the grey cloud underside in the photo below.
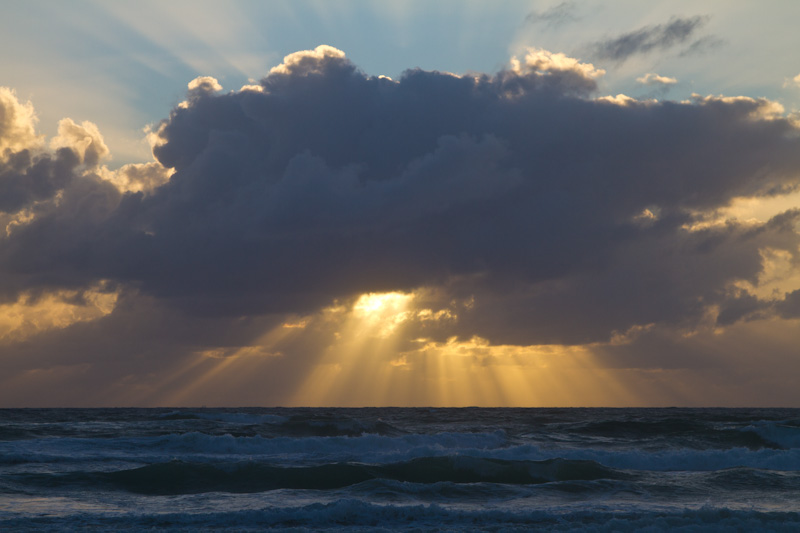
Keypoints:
(26, 178)
(516, 189)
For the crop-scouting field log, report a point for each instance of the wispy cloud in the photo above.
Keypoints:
(703, 45)
(555, 16)
(677, 31)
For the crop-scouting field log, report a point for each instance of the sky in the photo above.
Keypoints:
(523, 203)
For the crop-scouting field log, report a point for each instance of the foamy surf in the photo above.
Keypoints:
(399, 469)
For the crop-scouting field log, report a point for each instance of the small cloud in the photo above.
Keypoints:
(652, 78)
(298, 324)
(620, 99)
(308, 62)
(198, 88)
(544, 61)
(792, 82)
(647, 217)
(205, 84)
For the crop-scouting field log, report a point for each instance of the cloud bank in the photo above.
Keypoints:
(522, 203)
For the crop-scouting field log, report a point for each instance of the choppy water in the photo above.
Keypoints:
(400, 469)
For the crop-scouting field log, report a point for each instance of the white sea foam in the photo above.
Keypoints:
(145, 469)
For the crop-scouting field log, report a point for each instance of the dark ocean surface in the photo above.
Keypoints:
(400, 469)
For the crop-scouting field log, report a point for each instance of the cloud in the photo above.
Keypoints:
(568, 73)
(200, 87)
(555, 16)
(703, 45)
(649, 39)
(17, 123)
(27, 173)
(789, 307)
(750, 363)
(308, 62)
(524, 206)
(793, 82)
(204, 84)
(83, 139)
(654, 79)
(137, 177)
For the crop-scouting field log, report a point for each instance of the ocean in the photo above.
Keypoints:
(400, 469)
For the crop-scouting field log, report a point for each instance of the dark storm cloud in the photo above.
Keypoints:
(563, 216)
(26, 178)
(647, 39)
(789, 307)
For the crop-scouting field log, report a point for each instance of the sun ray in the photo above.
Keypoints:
(364, 358)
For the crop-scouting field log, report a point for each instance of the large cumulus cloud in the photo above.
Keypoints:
(564, 217)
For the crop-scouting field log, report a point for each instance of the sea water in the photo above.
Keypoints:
(399, 469)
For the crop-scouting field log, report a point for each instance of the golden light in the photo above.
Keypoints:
(31, 315)
(779, 275)
(745, 210)
(222, 368)
(368, 352)
(369, 362)
(382, 312)
(357, 364)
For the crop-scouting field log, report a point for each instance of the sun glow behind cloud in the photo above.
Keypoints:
(357, 362)
(370, 362)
